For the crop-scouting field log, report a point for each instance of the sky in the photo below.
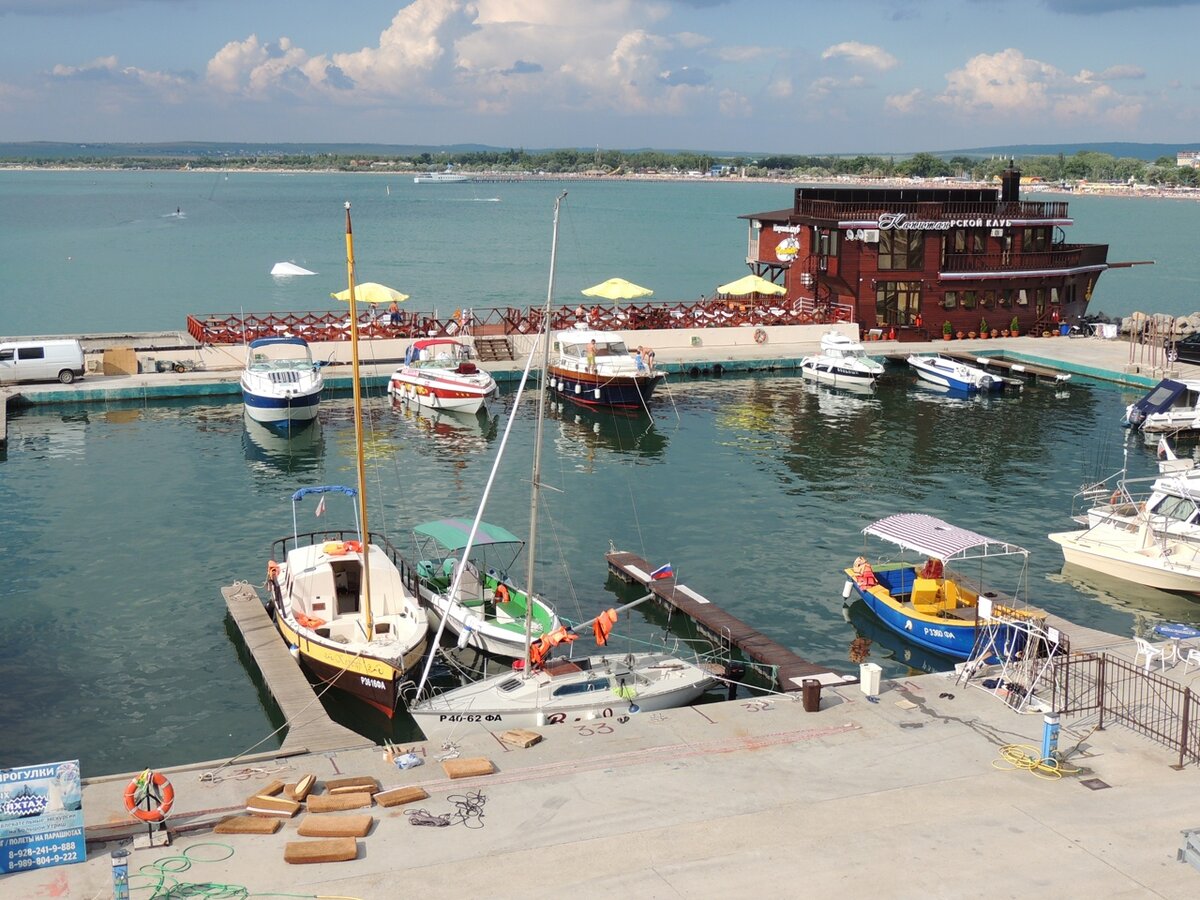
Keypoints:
(772, 76)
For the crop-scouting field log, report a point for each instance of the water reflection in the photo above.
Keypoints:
(583, 433)
(48, 436)
(1148, 605)
(884, 646)
(274, 453)
(448, 432)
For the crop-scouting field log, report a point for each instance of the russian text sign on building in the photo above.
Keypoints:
(41, 817)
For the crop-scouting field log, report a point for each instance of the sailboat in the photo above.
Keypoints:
(339, 597)
(543, 691)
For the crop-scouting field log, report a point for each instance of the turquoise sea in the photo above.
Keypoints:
(124, 520)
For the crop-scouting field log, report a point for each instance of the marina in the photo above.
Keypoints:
(752, 480)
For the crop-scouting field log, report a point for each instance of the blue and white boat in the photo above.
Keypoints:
(930, 601)
(281, 385)
(957, 376)
(842, 361)
(595, 368)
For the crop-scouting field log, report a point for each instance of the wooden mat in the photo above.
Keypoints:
(335, 826)
(272, 806)
(301, 789)
(401, 795)
(352, 785)
(339, 849)
(467, 768)
(337, 802)
(248, 825)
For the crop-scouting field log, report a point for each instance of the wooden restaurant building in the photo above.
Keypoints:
(909, 260)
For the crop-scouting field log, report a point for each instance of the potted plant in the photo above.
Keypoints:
(1014, 327)
(984, 331)
(947, 330)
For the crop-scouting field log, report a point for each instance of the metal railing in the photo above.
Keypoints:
(1121, 692)
(834, 210)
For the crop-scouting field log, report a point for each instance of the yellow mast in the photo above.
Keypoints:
(365, 533)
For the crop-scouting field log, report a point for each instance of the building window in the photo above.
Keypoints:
(987, 299)
(1005, 297)
(897, 302)
(968, 240)
(901, 250)
(1035, 240)
(827, 242)
(1022, 297)
(950, 300)
(969, 298)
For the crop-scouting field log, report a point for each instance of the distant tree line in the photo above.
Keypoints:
(1083, 166)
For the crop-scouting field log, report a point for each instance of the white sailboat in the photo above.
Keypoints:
(339, 597)
(540, 691)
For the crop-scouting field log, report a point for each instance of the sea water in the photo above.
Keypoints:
(123, 520)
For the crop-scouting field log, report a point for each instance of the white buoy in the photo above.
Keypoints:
(597, 393)
(846, 588)
(579, 389)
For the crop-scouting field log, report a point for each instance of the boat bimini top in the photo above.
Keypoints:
(936, 538)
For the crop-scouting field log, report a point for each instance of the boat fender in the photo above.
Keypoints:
(760, 336)
(334, 548)
(694, 371)
(718, 369)
(596, 393)
(149, 797)
(846, 588)
(470, 626)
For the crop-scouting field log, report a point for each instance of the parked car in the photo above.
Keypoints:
(41, 361)
(1187, 349)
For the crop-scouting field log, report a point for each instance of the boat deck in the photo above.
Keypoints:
(791, 670)
(310, 730)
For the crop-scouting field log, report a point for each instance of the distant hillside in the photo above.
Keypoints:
(187, 150)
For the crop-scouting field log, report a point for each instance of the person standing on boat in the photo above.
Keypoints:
(394, 313)
(591, 356)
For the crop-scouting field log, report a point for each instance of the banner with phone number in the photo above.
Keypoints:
(41, 817)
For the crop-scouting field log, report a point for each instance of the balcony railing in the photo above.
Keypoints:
(1066, 256)
(833, 211)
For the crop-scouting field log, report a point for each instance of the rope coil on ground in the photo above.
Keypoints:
(1015, 757)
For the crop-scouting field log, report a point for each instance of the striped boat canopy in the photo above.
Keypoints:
(933, 537)
(452, 533)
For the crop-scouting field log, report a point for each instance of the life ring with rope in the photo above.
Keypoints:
(501, 594)
(760, 336)
(149, 797)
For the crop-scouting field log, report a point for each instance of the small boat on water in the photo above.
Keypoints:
(1170, 407)
(446, 177)
(842, 361)
(281, 385)
(595, 368)
(439, 374)
(933, 602)
(957, 376)
(487, 610)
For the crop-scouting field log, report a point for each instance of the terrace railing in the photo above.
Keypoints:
(1025, 210)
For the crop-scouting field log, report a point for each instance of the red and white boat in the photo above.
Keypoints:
(438, 373)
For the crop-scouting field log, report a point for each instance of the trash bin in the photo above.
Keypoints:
(1064, 329)
(811, 693)
(868, 678)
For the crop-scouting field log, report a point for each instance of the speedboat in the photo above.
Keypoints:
(281, 385)
(934, 603)
(1140, 556)
(487, 609)
(1170, 407)
(447, 177)
(842, 360)
(955, 375)
(439, 374)
(595, 368)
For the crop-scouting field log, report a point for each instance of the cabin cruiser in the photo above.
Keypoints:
(1170, 407)
(595, 368)
(842, 360)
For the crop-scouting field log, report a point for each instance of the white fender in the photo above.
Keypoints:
(846, 588)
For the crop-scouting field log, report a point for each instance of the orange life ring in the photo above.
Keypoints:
(353, 546)
(760, 336)
(502, 593)
(152, 787)
(309, 621)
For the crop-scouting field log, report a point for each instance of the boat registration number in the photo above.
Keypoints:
(469, 717)
(372, 683)
(940, 633)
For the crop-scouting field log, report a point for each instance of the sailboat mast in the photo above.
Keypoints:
(531, 557)
(365, 536)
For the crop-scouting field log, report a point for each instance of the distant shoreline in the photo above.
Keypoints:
(1084, 189)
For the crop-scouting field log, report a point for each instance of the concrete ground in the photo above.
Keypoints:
(748, 797)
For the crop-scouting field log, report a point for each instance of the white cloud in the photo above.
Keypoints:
(1112, 73)
(108, 69)
(745, 53)
(780, 87)
(861, 54)
(904, 103)
(827, 85)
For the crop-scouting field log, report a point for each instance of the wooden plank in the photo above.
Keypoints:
(248, 825)
(338, 802)
(468, 768)
(335, 826)
(401, 796)
(338, 849)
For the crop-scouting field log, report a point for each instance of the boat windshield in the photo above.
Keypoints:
(1179, 509)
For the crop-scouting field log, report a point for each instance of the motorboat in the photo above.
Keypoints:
(595, 368)
(957, 376)
(438, 374)
(935, 602)
(487, 608)
(842, 361)
(1140, 556)
(340, 596)
(1170, 407)
(446, 177)
(281, 385)
(541, 690)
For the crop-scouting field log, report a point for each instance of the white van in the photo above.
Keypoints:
(41, 361)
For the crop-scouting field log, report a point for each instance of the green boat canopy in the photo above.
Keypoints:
(452, 533)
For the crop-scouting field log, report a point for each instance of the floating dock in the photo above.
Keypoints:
(992, 361)
(724, 629)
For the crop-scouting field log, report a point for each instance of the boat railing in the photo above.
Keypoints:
(408, 573)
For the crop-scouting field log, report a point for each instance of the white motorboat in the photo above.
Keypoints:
(595, 368)
(340, 597)
(487, 608)
(544, 691)
(956, 376)
(1140, 556)
(439, 374)
(281, 385)
(1170, 407)
(842, 361)
(446, 177)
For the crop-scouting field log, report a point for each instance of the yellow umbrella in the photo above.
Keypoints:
(371, 292)
(617, 289)
(751, 284)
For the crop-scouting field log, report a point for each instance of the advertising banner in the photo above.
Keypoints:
(41, 817)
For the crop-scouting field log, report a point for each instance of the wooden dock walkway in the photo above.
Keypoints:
(309, 727)
(791, 670)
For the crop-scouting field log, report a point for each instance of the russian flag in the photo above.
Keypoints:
(662, 572)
